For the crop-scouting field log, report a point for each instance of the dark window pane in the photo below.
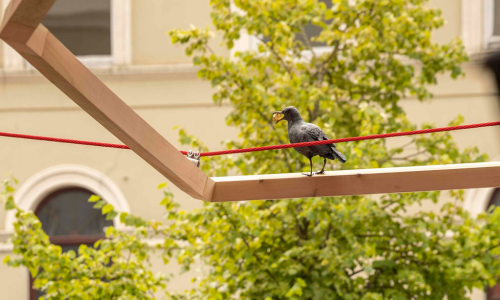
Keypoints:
(494, 292)
(496, 17)
(313, 30)
(70, 221)
(310, 30)
(68, 213)
(84, 26)
(495, 199)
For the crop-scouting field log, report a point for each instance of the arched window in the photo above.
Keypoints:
(40, 186)
(70, 221)
(494, 292)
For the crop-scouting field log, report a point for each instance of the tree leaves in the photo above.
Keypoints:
(94, 198)
(117, 268)
(10, 204)
(379, 53)
(107, 208)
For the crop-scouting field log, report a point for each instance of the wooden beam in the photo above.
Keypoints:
(22, 30)
(357, 182)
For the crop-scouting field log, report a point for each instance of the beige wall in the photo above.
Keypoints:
(33, 105)
(474, 97)
(451, 10)
(13, 282)
(1, 42)
(153, 19)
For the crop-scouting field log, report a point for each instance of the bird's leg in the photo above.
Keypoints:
(311, 172)
(322, 170)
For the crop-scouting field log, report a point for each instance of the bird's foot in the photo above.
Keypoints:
(319, 172)
(308, 174)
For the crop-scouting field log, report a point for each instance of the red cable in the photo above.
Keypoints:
(351, 139)
(58, 140)
(284, 146)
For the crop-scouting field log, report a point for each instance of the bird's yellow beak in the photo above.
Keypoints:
(278, 116)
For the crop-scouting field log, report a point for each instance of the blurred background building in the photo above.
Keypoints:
(125, 43)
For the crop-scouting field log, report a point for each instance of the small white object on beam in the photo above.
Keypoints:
(357, 182)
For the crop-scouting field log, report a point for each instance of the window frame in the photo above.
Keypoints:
(489, 22)
(477, 26)
(121, 42)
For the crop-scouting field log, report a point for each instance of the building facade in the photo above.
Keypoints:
(131, 53)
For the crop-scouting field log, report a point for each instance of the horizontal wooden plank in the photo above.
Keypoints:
(357, 182)
(49, 56)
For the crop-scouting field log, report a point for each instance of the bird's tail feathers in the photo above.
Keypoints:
(339, 155)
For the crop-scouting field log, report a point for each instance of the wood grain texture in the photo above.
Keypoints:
(29, 13)
(22, 17)
(49, 56)
(357, 182)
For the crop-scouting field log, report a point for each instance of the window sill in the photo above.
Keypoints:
(114, 70)
(480, 57)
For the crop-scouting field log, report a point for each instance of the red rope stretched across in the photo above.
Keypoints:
(58, 140)
(274, 147)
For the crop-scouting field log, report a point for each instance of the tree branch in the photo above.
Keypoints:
(410, 156)
(271, 47)
(355, 272)
(308, 43)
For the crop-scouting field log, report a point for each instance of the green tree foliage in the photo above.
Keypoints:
(115, 268)
(377, 53)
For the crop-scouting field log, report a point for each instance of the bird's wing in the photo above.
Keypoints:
(314, 132)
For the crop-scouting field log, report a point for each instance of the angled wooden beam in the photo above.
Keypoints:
(22, 30)
(358, 182)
